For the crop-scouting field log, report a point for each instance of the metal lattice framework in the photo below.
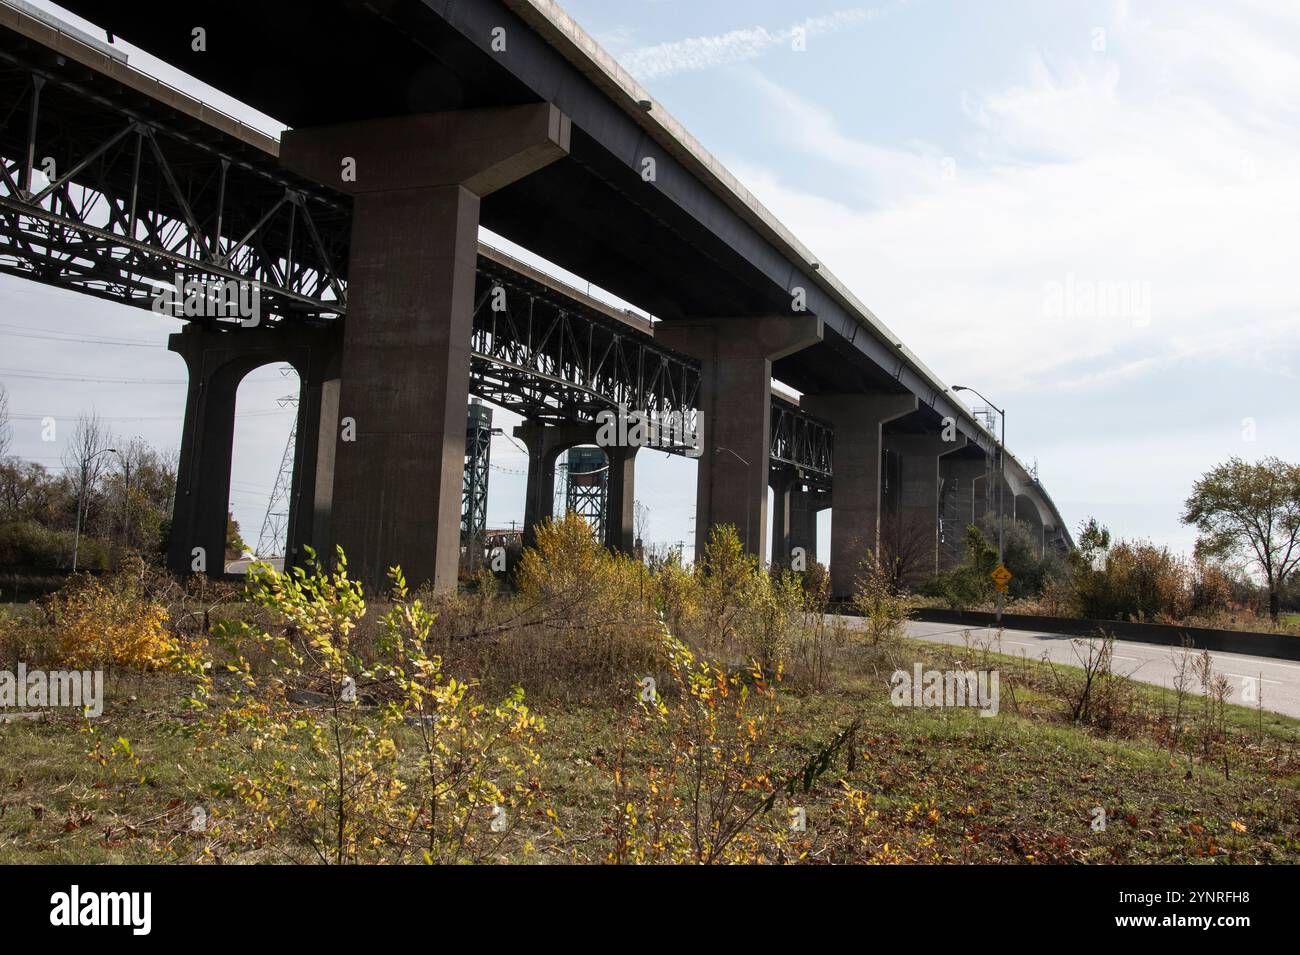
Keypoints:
(549, 357)
(586, 489)
(474, 488)
(801, 441)
(137, 193)
(109, 202)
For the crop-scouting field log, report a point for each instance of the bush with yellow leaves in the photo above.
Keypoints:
(110, 622)
(699, 769)
(341, 760)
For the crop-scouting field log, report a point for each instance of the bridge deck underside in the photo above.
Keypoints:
(135, 192)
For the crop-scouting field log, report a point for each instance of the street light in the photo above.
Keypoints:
(81, 498)
(748, 493)
(1002, 483)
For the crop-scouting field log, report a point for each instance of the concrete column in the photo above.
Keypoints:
(620, 499)
(855, 491)
(785, 485)
(794, 517)
(417, 183)
(217, 361)
(919, 456)
(736, 356)
(545, 443)
(971, 477)
(805, 505)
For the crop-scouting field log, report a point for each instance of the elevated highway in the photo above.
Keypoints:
(451, 115)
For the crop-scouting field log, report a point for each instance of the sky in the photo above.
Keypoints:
(1088, 211)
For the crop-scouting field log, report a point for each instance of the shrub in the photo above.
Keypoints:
(393, 762)
(28, 545)
(883, 611)
(1134, 581)
(970, 584)
(112, 622)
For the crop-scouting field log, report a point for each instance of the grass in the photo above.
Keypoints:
(940, 785)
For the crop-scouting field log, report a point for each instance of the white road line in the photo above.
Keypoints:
(1259, 678)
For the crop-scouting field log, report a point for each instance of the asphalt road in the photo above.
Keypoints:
(1278, 681)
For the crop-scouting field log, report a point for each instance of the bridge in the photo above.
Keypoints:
(358, 231)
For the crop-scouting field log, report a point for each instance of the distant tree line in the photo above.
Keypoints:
(1246, 559)
(117, 491)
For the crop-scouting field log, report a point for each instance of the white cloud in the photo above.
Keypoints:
(1167, 165)
(735, 46)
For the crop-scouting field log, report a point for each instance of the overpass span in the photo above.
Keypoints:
(543, 142)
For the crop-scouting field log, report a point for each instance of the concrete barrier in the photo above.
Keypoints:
(1278, 645)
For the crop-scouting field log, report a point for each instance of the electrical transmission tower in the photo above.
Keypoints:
(275, 525)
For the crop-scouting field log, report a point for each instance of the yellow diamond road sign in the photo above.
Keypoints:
(1001, 575)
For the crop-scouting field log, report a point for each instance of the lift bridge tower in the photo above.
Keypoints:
(474, 494)
(586, 487)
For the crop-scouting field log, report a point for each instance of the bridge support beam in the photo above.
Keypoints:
(794, 517)
(974, 482)
(855, 493)
(217, 362)
(735, 410)
(545, 444)
(916, 523)
(417, 182)
(620, 499)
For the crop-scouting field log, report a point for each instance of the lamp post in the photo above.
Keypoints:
(1002, 483)
(81, 499)
(748, 493)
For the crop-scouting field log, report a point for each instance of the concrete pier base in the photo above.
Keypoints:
(417, 183)
(735, 415)
(217, 361)
(858, 420)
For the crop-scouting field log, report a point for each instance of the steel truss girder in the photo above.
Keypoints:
(134, 200)
(802, 442)
(548, 357)
(131, 202)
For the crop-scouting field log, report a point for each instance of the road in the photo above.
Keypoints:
(1278, 680)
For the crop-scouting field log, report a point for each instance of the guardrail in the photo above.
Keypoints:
(1280, 646)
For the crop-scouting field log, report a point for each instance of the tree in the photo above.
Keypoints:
(1093, 541)
(1252, 510)
(235, 546)
(907, 548)
(84, 459)
(139, 490)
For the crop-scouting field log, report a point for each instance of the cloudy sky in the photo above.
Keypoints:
(1089, 211)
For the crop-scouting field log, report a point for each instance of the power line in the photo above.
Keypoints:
(161, 417)
(25, 331)
(46, 376)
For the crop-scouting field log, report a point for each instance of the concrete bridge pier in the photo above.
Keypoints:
(417, 182)
(858, 420)
(545, 444)
(794, 516)
(735, 410)
(218, 360)
(805, 507)
(785, 484)
(973, 482)
(918, 501)
(620, 499)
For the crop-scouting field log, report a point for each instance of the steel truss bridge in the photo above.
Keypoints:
(109, 187)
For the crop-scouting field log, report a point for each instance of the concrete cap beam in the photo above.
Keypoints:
(482, 150)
